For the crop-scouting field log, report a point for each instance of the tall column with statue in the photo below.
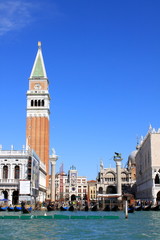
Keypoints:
(118, 159)
(53, 158)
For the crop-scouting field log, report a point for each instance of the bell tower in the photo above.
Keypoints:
(38, 111)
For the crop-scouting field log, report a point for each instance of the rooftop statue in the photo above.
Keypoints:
(53, 151)
(117, 155)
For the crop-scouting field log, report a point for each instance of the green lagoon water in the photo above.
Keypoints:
(139, 225)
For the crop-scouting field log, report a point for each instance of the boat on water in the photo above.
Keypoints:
(131, 209)
(50, 208)
(115, 208)
(146, 207)
(17, 209)
(10, 209)
(94, 208)
(2, 209)
(63, 208)
(26, 210)
(155, 208)
(138, 208)
(107, 208)
(71, 208)
(86, 208)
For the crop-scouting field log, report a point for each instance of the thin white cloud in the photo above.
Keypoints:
(14, 15)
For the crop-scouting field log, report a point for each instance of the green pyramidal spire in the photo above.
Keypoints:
(38, 69)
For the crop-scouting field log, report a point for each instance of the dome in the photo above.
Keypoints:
(131, 158)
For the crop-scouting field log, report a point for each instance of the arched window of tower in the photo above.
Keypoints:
(43, 103)
(35, 103)
(39, 103)
(32, 103)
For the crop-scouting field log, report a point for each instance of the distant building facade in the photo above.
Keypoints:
(70, 187)
(107, 179)
(22, 176)
(92, 190)
(148, 167)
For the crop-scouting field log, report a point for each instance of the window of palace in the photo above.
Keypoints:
(5, 172)
(16, 172)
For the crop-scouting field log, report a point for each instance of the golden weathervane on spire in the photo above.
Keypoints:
(39, 44)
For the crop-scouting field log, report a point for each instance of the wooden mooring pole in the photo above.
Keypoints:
(126, 209)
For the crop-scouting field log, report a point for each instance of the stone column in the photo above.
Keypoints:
(10, 171)
(10, 196)
(1, 171)
(53, 158)
(21, 171)
(118, 159)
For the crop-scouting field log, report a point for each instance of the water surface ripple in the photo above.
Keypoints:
(139, 225)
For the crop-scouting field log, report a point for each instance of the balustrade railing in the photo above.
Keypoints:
(9, 181)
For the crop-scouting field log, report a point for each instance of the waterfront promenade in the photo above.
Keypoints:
(139, 225)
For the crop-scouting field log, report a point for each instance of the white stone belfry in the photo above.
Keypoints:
(53, 158)
(118, 159)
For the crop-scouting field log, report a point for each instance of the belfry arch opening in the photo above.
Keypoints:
(37, 103)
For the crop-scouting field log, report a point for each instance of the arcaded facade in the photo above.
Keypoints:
(21, 166)
(107, 179)
(148, 167)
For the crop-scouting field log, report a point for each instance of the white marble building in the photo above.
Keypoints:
(148, 167)
(107, 178)
(17, 167)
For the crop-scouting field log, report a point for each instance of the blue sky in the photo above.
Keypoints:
(103, 62)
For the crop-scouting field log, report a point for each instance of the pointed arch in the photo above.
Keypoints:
(157, 181)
